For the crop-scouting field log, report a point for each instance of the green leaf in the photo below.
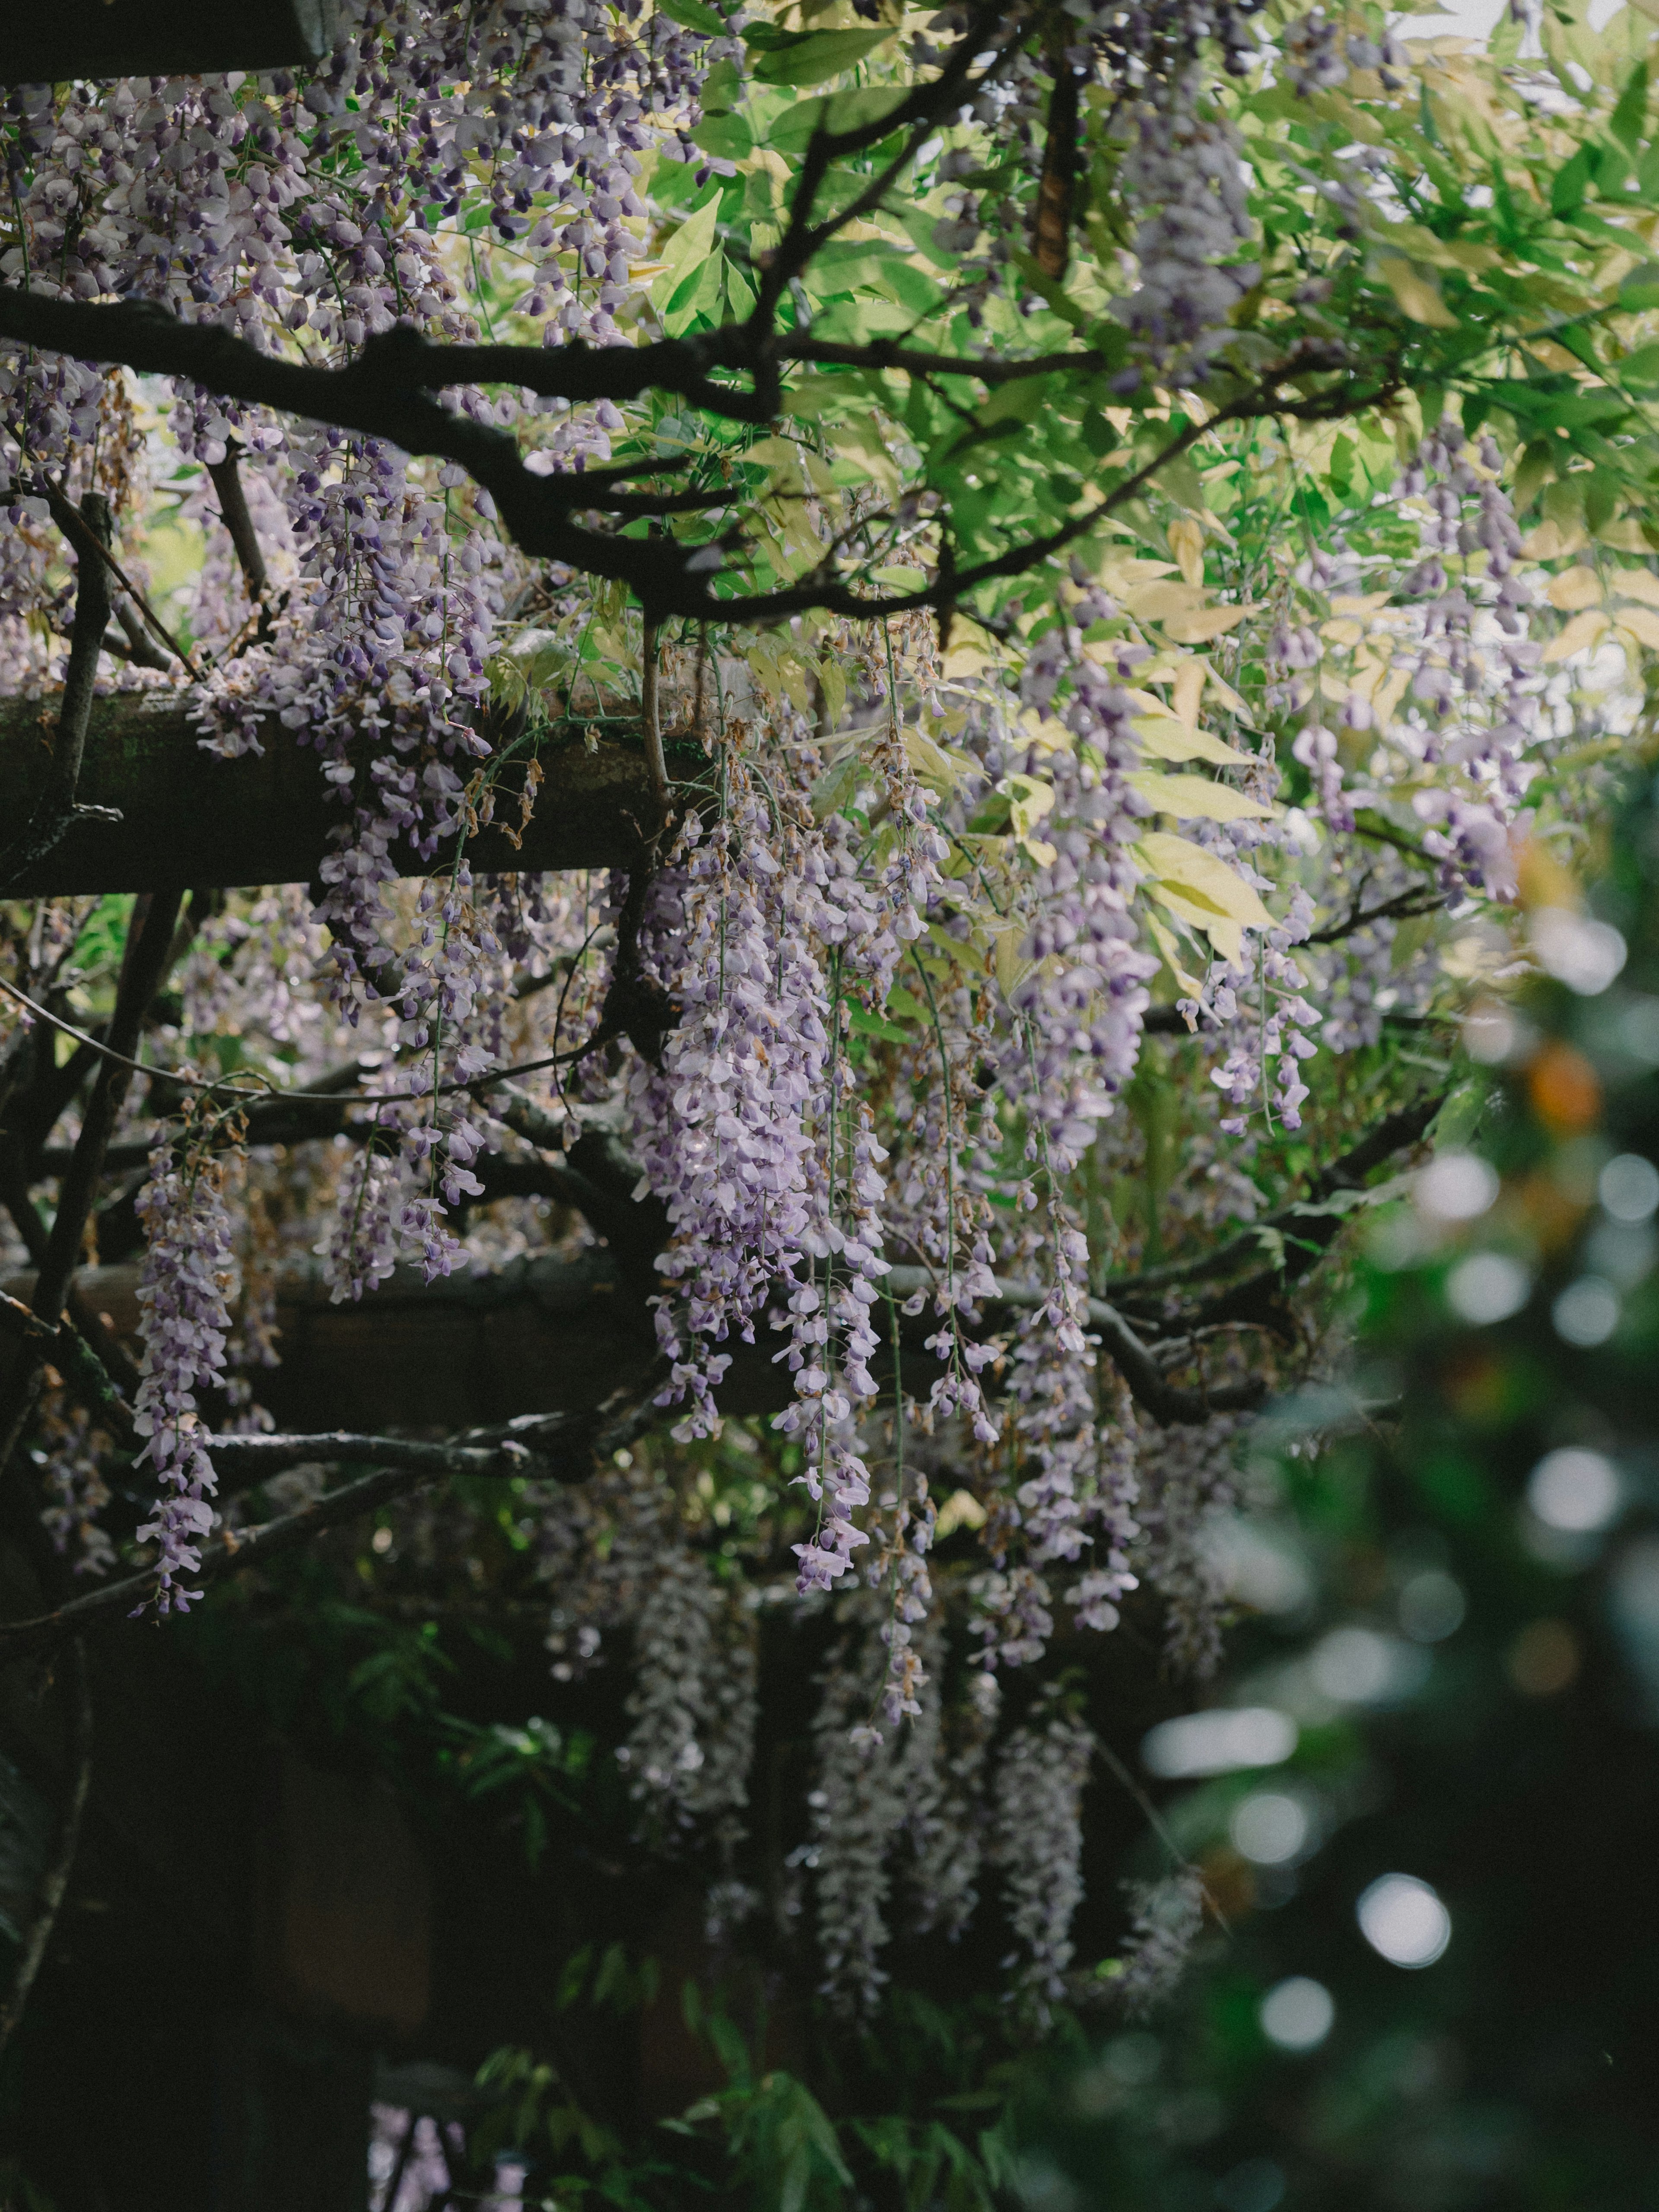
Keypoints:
(695, 16)
(1641, 366)
(728, 137)
(810, 57)
(792, 128)
(866, 104)
(691, 268)
(687, 250)
(724, 88)
(873, 1025)
(1627, 118)
(1572, 182)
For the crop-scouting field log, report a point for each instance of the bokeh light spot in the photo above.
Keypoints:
(1268, 1827)
(1587, 1312)
(1257, 2185)
(1297, 2014)
(1578, 950)
(1628, 1187)
(1487, 1287)
(1432, 1607)
(1403, 1921)
(1574, 1489)
(1218, 1742)
(1457, 1187)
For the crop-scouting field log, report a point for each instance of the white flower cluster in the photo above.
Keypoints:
(1036, 1842)
(1167, 1920)
(692, 1709)
(71, 1477)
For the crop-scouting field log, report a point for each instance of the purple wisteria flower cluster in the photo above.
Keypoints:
(186, 1290)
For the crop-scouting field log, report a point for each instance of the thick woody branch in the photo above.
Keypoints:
(383, 393)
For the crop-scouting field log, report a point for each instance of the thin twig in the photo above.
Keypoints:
(1167, 1402)
(84, 1373)
(516, 1448)
(1160, 1827)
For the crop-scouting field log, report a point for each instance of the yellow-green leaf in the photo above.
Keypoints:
(1574, 588)
(1167, 739)
(934, 764)
(1582, 631)
(1224, 932)
(1418, 296)
(1202, 624)
(1202, 876)
(1192, 797)
(1031, 799)
(1165, 938)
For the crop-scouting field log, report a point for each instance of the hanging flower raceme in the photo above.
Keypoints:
(723, 1126)
(1038, 1844)
(416, 1165)
(185, 1290)
(1186, 169)
(70, 1460)
(692, 1709)
(1168, 1918)
(1082, 1000)
(869, 1791)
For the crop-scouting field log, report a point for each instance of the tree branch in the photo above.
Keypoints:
(93, 546)
(1400, 909)
(1347, 1174)
(227, 478)
(411, 1465)
(149, 945)
(1170, 1404)
(382, 394)
(54, 1880)
(55, 810)
(85, 1375)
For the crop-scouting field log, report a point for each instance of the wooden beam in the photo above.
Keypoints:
(162, 37)
(188, 817)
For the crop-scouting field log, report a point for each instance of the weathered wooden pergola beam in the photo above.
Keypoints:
(188, 817)
(162, 38)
